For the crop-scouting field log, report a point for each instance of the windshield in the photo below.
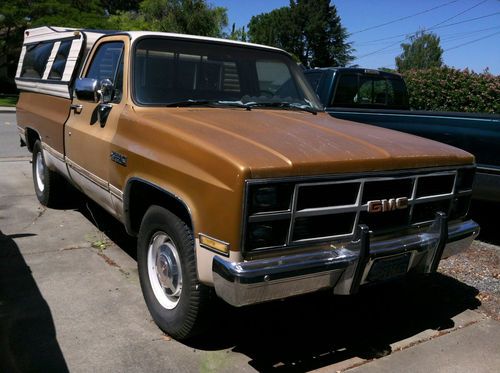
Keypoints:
(167, 72)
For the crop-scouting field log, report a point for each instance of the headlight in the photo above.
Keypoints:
(270, 198)
(267, 234)
(265, 198)
(268, 215)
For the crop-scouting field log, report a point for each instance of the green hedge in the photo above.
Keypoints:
(448, 89)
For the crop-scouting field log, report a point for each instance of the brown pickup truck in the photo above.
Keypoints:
(218, 157)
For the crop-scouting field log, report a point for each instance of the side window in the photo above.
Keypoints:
(108, 64)
(117, 95)
(35, 60)
(57, 70)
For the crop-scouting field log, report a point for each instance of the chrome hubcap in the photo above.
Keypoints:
(164, 270)
(40, 172)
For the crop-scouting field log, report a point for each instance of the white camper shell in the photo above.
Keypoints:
(51, 56)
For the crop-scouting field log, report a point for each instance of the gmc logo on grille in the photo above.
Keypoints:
(383, 205)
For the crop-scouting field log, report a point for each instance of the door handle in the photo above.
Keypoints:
(76, 108)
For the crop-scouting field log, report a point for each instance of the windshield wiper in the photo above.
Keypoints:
(212, 103)
(247, 105)
(284, 105)
(186, 103)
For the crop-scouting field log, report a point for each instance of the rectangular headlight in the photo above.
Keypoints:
(270, 198)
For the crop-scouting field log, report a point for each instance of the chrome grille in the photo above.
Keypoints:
(328, 210)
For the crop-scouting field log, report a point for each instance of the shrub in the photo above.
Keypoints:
(448, 89)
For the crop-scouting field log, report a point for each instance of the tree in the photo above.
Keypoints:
(114, 6)
(195, 17)
(423, 52)
(237, 33)
(309, 29)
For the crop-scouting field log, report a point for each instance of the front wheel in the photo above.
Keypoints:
(167, 270)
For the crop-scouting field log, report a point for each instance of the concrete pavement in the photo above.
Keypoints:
(9, 138)
(64, 303)
(470, 349)
(67, 305)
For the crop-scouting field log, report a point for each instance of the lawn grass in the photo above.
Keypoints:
(8, 100)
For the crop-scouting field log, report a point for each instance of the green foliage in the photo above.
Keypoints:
(8, 100)
(422, 52)
(311, 30)
(194, 17)
(387, 70)
(237, 34)
(114, 6)
(448, 89)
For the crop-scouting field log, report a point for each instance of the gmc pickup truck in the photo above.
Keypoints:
(381, 99)
(217, 156)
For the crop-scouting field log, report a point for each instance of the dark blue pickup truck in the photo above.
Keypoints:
(381, 98)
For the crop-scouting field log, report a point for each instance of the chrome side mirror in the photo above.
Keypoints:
(106, 91)
(86, 89)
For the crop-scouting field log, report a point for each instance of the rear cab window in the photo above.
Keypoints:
(367, 90)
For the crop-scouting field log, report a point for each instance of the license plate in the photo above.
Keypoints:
(383, 269)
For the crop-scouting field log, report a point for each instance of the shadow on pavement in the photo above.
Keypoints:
(111, 227)
(318, 330)
(486, 214)
(100, 218)
(27, 335)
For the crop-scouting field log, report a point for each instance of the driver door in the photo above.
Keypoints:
(88, 139)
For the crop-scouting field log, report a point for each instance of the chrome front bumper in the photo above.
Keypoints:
(341, 266)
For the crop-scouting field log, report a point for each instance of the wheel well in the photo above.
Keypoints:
(31, 137)
(140, 195)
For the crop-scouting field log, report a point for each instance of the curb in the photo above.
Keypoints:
(5, 109)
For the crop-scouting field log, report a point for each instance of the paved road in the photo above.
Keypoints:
(65, 305)
(9, 140)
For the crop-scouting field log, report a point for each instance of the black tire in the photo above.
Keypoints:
(48, 184)
(181, 317)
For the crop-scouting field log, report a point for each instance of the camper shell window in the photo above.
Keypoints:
(36, 59)
(57, 70)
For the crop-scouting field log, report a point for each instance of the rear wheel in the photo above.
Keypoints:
(48, 184)
(167, 271)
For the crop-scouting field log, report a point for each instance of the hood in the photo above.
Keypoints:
(272, 143)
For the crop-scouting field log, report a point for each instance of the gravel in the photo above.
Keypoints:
(479, 267)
